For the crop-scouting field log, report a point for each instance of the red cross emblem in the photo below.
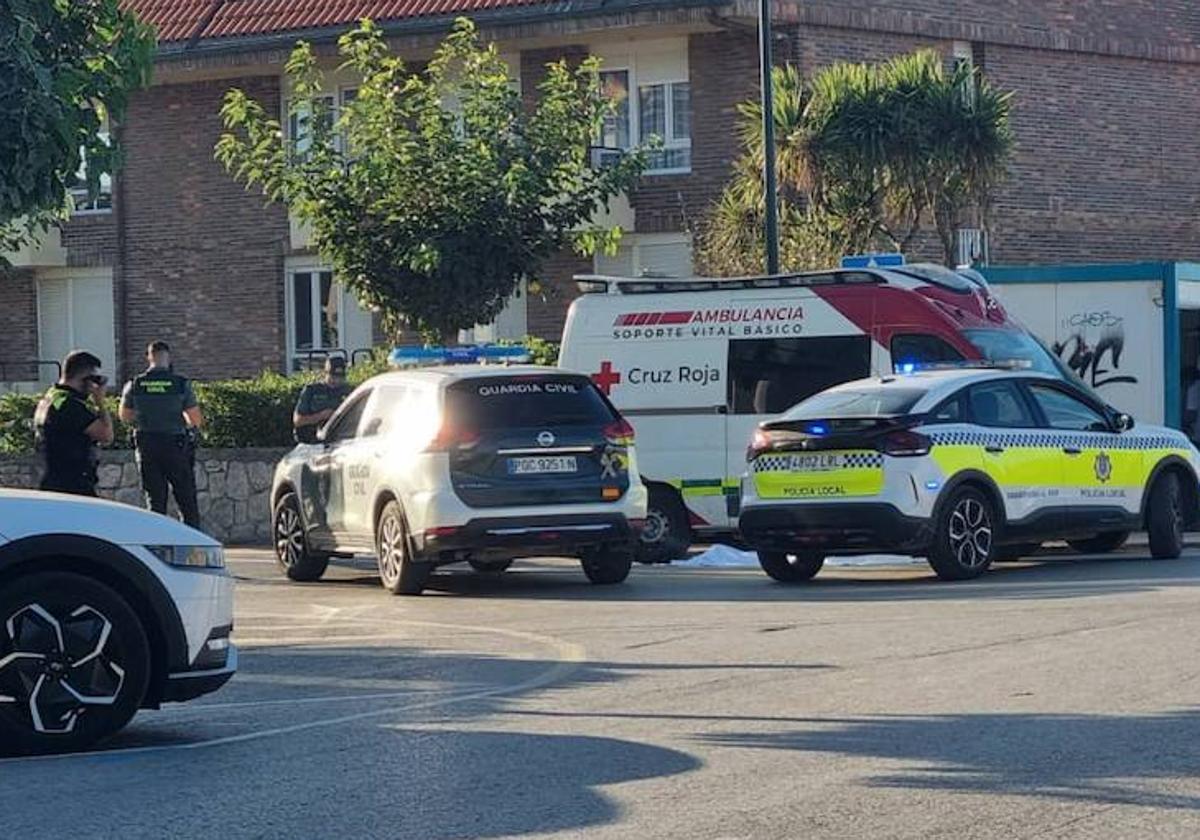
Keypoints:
(606, 378)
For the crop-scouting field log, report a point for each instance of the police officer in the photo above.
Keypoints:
(162, 406)
(70, 420)
(319, 400)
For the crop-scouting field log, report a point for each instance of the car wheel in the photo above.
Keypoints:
(291, 544)
(74, 663)
(399, 571)
(791, 568)
(1013, 553)
(607, 565)
(490, 566)
(963, 545)
(1165, 519)
(1101, 543)
(666, 534)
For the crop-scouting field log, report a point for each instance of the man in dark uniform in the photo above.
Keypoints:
(319, 400)
(162, 406)
(70, 420)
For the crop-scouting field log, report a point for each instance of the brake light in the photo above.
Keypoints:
(905, 444)
(770, 440)
(619, 432)
(449, 437)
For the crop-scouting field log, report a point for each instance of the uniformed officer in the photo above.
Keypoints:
(70, 420)
(319, 400)
(162, 406)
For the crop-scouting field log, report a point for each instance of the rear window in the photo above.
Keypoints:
(877, 402)
(517, 401)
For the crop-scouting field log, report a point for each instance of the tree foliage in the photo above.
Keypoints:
(869, 157)
(434, 193)
(64, 66)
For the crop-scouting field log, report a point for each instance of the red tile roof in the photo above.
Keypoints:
(182, 20)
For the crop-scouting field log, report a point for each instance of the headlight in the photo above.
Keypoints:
(190, 556)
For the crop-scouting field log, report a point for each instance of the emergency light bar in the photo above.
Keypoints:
(966, 364)
(467, 354)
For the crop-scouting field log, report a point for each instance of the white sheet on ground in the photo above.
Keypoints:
(727, 557)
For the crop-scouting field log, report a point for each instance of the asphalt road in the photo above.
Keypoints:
(1053, 699)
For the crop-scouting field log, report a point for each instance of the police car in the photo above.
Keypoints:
(964, 467)
(481, 463)
(104, 609)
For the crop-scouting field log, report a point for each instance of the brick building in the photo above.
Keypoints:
(1107, 118)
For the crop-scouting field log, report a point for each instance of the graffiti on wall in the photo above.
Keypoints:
(1093, 347)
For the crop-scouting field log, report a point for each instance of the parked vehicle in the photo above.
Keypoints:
(964, 467)
(696, 364)
(474, 463)
(105, 609)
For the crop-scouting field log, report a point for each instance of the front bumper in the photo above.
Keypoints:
(838, 529)
(511, 537)
(188, 685)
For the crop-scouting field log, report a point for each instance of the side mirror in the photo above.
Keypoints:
(1123, 422)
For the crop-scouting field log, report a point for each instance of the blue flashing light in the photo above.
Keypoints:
(932, 485)
(468, 354)
(908, 367)
(817, 429)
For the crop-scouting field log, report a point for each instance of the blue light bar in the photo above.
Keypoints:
(468, 354)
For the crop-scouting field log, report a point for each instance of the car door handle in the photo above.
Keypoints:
(993, 449)
(1071, 450)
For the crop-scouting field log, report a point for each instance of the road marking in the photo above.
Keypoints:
(568, 656)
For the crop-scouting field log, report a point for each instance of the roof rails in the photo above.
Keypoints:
(608, 284)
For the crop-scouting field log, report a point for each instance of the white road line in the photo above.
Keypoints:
(568, 656)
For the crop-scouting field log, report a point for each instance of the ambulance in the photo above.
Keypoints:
(695, 364)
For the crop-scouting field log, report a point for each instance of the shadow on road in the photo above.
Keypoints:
(1093, 758)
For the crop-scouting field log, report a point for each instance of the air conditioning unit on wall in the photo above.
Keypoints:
(971, 246)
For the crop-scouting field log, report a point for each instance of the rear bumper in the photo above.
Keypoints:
(188, 685)
(839, 529)
(525, 536)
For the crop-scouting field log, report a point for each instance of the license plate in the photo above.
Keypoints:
(818, 462)
(547, 464)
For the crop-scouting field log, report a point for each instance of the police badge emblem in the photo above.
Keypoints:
(1103, 467)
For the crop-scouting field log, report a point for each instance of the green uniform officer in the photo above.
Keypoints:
(319, 400)
(70, 420)
(162, 407)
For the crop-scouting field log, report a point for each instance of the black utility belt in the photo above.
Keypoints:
(160, 437)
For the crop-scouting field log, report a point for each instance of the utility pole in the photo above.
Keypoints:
(768, 112)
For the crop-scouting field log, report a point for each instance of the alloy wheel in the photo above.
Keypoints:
(289, 537)
(970, 532)
(655, 529)
(392, 549)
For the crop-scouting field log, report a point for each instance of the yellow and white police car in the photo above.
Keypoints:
(964, 467)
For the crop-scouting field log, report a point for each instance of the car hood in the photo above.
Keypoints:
(27, 513)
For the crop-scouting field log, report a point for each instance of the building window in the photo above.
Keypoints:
(661, 109)
(322, 317)
(963, 56)
(82, 200)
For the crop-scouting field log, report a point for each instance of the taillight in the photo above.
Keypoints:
(769, 440)
(449, 437)
(619, 432)
(905, 444)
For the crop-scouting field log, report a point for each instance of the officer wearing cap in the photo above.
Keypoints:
(319, 400)
(162, 406)
(70, 420)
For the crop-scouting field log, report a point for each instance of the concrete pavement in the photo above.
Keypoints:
(1050, 699)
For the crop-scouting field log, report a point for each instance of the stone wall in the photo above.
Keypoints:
(234, 487)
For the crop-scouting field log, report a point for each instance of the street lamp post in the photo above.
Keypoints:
(768, 117)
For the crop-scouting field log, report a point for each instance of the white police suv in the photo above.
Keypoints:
(104, 609)
(481, 463)
(964, 467)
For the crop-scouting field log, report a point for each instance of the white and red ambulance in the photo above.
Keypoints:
(696, 363)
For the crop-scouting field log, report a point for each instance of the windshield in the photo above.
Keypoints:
(877, 402)
(1015, 345)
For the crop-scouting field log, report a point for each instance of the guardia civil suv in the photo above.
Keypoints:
(477, 463)
(964, 467)
(104, 609)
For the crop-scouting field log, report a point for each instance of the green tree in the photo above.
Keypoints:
(869, 157)
(64, 66)
(434, 193)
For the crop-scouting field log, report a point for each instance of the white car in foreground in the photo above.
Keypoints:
(105, 609)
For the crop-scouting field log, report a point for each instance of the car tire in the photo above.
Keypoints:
(80, 636)
(399, 570)
(607, 566)
(1013, 553)
(963, 546)
(666, 535)
(1165, 519)
(490, 566)
(791, 568)
(1101, 543)
(292, 553)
